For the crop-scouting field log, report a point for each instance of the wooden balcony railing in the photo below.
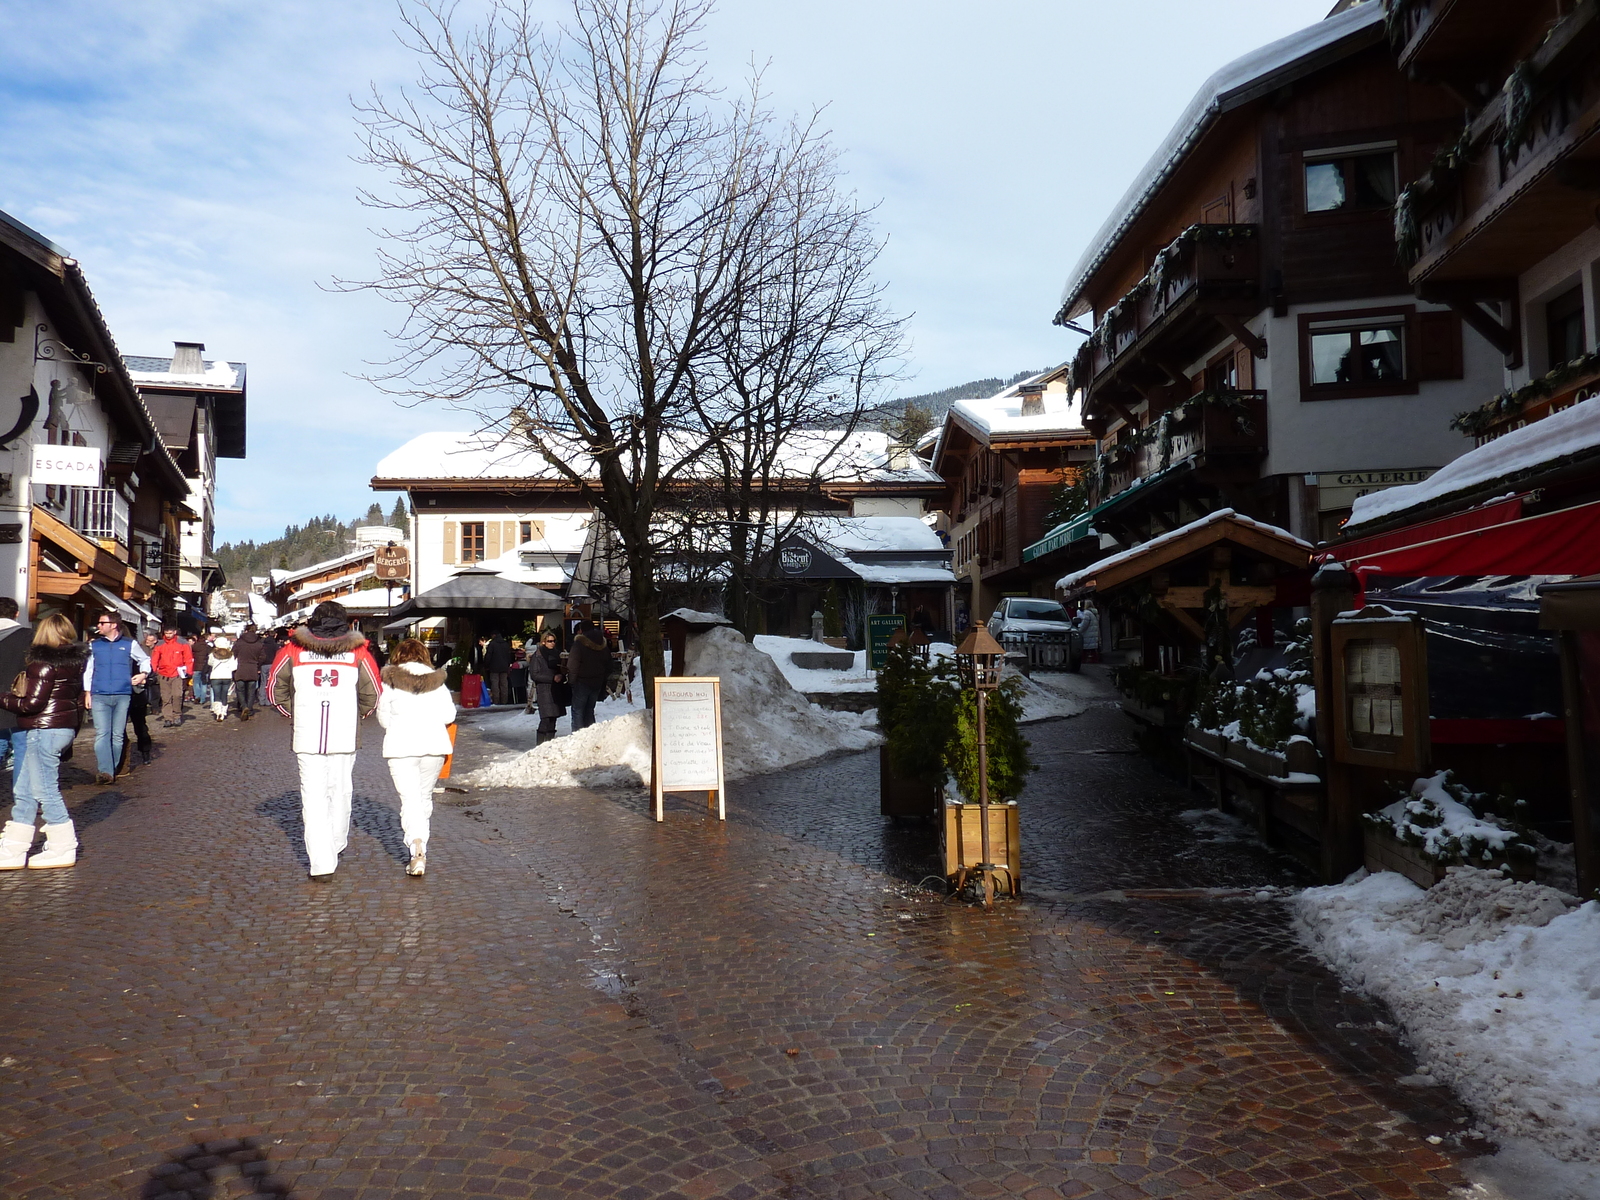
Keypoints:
(1203, 264)
(1212, 429)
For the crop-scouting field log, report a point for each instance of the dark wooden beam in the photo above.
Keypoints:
(1506, 340)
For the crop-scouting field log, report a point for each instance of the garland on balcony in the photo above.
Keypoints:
(1476, 422)
(1407, 240)
(1395, 13)
(1518, 89)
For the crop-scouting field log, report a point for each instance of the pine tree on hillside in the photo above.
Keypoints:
(398, 516)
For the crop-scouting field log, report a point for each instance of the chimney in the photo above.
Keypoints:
(1032, 399)
(186, 358)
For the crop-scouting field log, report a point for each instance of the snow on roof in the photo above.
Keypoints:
(1560, 435)
(355, 556)
(330, 585)
(867, 534)
(1122, 556)
(1002, 414)
(152, 371)
(1241, 81)
(261, 609)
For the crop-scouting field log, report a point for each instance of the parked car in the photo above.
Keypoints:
(1039, 629)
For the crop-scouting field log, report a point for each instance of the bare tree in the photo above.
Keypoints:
(591, 244)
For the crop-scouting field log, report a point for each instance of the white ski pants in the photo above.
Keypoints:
(414, 778)
(325, 807)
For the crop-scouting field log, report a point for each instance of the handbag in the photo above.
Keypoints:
(485, 700)
(444, 771)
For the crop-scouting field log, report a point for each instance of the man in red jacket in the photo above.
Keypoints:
(173, 662)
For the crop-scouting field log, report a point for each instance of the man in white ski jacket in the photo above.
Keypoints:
(325, 681)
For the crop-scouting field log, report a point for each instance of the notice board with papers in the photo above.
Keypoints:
(687, 742)
(1380, 691)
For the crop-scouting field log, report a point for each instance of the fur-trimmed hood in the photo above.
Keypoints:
(342, 644)
(71, 655)
(221, 651)
(583, 639)
(412, 677)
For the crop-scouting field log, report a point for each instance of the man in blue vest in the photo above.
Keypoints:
(116, 666)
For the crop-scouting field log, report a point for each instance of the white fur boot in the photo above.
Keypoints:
(60, 847)
(15, 843)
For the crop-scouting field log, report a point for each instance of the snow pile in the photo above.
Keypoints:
(766, 726)
(1441, 825)
(806, 679)
(1497, 985)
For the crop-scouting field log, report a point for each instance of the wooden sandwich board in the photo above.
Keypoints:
(686, 753)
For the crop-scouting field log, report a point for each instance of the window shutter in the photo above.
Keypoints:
(1438, 348)
(451, 533)
(508, 539)
(491, 538)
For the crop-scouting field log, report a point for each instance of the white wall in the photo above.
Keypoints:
(1575, 262)
(886, 506)
(565, 532)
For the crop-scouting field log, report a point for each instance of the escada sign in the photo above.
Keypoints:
(76, 466)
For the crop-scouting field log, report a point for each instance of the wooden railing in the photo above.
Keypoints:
(1206, 429)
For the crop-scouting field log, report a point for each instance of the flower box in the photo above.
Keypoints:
(962, 841)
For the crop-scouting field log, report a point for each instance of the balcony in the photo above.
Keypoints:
(1520, 182)
(1208, 274)
(1215, 433)
(1455, 42)
(101, 515)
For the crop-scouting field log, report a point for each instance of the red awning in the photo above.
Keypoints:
(1564, 542)
(1496, 513)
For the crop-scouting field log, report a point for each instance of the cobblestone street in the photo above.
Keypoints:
(577, 1001)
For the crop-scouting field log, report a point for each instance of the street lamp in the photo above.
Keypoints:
(979, 658)
(921, 643)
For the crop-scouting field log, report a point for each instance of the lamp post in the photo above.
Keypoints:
(979, 657)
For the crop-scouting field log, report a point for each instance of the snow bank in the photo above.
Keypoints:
(766, 726)
(1441, 825)
(1497, 985)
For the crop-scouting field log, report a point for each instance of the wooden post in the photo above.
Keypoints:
(1333, 591)
(1582, 709)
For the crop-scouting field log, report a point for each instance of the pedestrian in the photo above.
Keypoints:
(517, 677)
(117, 667)
(173, 662)
(223, 666)
(14, 641)
(588, 665)
(138, 717)
(152, 685)
(495, 662)
(416, 713)
(251, 652)
(200, 652)
(325, 681)
(545, 669)
(47, 699)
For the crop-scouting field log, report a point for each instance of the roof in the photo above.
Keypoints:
(1514, 456)
(1256, 74)
(883, 550)
(444, 456)
(999, 417)
(279, 578)
(1221, 525)
(220, 375)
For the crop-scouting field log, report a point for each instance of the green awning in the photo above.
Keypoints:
(1062, 535)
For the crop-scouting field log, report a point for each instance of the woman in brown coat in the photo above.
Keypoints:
(49, 708)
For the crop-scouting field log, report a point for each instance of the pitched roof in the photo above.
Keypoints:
(1256, 74)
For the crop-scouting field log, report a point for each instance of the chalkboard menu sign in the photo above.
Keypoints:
(687, 754)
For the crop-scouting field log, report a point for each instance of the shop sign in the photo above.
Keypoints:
(795, 560)
(1340, 489)
(880, 628)
(74, 466)
(392, 562)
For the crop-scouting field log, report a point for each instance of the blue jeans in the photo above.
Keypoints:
(110, 730)
(38, 779)
(585, 693)
(202, 690)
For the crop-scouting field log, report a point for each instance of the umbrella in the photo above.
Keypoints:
(473, 592)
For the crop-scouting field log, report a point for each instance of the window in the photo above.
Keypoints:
(1376, 352)
(1563, 320)
(524, 533)
(1350, 178)
(471, 541)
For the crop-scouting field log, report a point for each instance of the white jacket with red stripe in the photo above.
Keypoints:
(325, 686)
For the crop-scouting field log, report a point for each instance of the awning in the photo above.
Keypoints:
(1564, 542)
(1062, 535)
(1496, 512)
(116, 604)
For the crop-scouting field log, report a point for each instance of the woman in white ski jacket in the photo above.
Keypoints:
(223, 666)
(415, 710)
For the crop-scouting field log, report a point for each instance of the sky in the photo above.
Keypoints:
(198, 158)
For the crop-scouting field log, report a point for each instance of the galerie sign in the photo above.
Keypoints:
(76, 466)
(687, 755)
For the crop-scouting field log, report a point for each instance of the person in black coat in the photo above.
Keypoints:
(14, 642)
(494, 664)
(546, 671)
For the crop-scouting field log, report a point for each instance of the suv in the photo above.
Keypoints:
(1038, 630)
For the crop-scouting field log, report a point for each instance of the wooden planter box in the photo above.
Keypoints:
(962, 841)
(1384, 852)
(1280, 793)
(899, 797)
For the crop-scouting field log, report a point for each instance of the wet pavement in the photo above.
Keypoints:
(578, 1001)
